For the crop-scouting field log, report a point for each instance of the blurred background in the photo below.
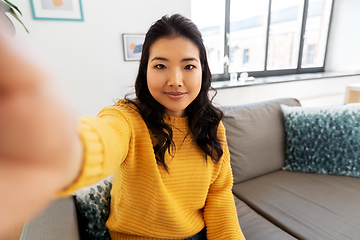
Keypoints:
(241, 36)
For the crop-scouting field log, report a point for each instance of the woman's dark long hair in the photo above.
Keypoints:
(203, 117)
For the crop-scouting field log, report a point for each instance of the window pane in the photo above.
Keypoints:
(247, 38)
(209, 16)
(316, 31)
(284, 35)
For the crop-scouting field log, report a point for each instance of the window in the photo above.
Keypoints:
(211, 23)
(282, 36)
(246, 56)
(310, 54)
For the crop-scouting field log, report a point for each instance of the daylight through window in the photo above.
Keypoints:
(263, 37)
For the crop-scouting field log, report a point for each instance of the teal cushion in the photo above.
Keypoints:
(323, 139)
(93, 204)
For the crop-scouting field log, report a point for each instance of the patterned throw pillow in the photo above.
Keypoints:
(323, 139)
(93, 204)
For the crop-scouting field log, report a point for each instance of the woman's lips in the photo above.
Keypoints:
(175, 95)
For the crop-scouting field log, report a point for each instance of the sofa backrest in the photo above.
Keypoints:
(256, 137)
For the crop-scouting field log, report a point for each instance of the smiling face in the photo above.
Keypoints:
(174, 73)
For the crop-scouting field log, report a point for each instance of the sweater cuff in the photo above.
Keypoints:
(93, 159)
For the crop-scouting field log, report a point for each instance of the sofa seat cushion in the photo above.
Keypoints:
(306, 205)
(256, 227)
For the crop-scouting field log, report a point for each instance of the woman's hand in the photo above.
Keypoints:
(40, 150)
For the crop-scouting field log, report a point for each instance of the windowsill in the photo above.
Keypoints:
(280, 79)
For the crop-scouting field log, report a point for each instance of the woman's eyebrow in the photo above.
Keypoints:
(189, 59)
(183, 60)
(159, 58)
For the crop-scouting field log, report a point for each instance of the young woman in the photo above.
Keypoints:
(166, 148)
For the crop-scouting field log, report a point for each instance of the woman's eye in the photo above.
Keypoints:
(189, 67)
(160, 66)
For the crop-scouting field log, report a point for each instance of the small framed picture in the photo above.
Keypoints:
(68, 10)
(133, 44)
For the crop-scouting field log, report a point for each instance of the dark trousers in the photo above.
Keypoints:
(199, 236)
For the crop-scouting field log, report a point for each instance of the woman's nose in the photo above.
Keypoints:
(175, 78)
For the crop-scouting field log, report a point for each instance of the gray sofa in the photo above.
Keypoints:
(272, 203)
(276, 204)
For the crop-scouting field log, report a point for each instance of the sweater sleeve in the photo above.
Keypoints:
(220, 213)
(106, 142)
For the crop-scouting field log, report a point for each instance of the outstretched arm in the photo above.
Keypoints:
(40, 150)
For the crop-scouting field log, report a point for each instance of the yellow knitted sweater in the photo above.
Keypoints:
(146, 201)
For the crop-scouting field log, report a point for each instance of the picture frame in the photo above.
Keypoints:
(133, 46)
(64, 10)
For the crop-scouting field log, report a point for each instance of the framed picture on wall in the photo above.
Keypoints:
(68, 10)
(133, 44)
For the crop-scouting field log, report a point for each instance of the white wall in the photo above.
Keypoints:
(88, 56)
(320, 92)
(344, 42)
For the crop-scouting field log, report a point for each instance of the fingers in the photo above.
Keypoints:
(19, 66)
(38, 137)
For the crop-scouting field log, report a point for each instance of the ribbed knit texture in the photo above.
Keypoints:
(146, 201)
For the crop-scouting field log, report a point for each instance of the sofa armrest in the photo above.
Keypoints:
(57, 222)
